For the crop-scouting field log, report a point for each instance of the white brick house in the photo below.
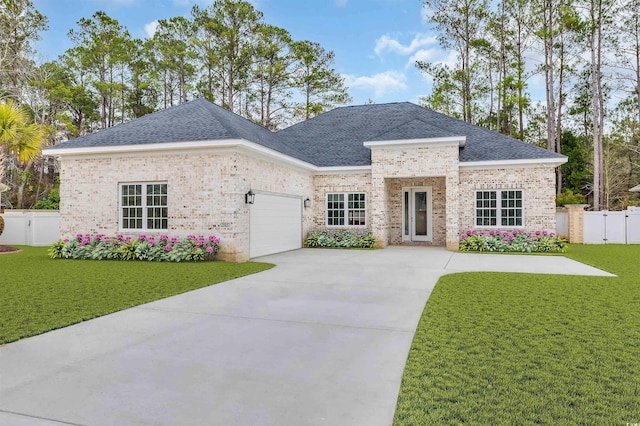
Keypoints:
(408, 174)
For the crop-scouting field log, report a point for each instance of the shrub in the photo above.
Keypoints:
(512, 241)
(1, 225)
(163, 248)
(343, 238)
(569, 197)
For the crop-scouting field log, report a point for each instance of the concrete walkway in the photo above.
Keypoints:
(321, 339)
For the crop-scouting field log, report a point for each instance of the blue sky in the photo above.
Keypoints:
(375, 42)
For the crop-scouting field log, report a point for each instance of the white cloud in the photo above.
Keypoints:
(341, 3)
(381, 83)
(424, 55)
(386, 43)
(150, 28)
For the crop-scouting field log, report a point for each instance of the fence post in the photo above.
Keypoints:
(575, 219)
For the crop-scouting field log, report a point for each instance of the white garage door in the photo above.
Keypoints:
(276, 224)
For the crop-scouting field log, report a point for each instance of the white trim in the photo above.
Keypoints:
(144, 207)
(417, 143)
(181, 146)
(498, 208)
(338, 170)
(345, 200)
(512, 164)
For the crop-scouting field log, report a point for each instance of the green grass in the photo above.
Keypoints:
(38, 294)
(504, 349)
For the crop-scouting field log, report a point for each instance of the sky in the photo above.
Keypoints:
(376, 42)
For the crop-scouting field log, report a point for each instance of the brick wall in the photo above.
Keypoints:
(435, 161)
(538, 184)
(205, 193)
(344, 182)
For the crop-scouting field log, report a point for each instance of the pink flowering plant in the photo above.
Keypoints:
(512, 241)
(139, 247)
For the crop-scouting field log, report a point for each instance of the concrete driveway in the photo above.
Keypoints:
(321, 339)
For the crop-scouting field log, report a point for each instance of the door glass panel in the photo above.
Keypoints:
(407, 210)
(420, 204)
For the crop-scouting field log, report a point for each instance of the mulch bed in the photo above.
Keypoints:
(8, 249)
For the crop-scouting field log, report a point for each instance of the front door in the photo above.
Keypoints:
(416, 205)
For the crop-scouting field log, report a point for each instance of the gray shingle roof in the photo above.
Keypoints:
(197, 120)
(334, 138)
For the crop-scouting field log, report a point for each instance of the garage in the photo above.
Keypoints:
(275, 224)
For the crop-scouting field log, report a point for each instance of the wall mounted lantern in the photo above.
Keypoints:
(307, 203)
(249, 197)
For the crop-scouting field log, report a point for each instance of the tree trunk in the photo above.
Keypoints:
(548, 73)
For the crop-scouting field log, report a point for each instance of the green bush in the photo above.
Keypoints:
(512, 241)
(341, 238)
(50, 202)
(569, 197)
(163, 248)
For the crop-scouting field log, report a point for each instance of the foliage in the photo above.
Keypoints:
(158, 249)
(342, 238)
(18, 135)
(569, 197)
(512, 241)
(50, 202)
(40, 294)
(1, 225)
(505, 348)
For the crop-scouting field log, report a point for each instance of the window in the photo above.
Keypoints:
(346, 209)
(144, 206)
(499, 208)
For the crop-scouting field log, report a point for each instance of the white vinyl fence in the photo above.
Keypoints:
(607, 227)
(562, 223)
(30, 228)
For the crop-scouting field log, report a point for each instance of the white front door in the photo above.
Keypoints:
(416, 219)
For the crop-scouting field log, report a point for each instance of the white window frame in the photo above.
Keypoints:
(346, 209)
(144, 207)
(498, 224)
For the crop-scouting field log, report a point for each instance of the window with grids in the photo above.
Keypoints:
(144, 206)
(346, 209)
(499, 208)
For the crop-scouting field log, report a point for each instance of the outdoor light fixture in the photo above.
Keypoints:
(249, 197)
(307, 203)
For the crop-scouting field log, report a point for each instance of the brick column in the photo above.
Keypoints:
(452, 213)
(575, 218)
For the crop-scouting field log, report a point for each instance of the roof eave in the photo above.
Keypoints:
(511, 164)
(418, 143)
(237, 144)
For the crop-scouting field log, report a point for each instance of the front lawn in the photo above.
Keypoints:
(498, 348)
(38, 294)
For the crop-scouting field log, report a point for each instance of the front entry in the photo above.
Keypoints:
(416, 219)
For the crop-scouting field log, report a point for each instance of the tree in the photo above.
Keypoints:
(227, 39)
(272, 75)
(20, 25)
(18, 136)
(21, 139)
(598, 14)
(174, 59)
(321, 86)
(460, 24)
(102, 50)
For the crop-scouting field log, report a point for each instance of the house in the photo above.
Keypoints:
(407, 174)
